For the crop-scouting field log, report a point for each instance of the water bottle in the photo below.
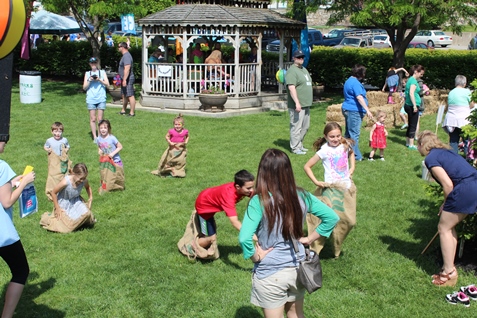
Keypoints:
(191, 93)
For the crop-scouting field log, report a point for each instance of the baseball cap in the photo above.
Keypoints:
(93, 60)
(298, 53)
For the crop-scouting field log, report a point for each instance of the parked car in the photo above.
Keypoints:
(355, 41)
(473, 44)
(335, 37)
(433, 38)
(418, 45)
(381, 40)
(314, 38)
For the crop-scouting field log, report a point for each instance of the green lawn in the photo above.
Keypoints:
(128, 265)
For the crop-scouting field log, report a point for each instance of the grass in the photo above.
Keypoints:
(128, 265)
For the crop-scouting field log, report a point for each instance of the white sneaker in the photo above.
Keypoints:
(299, 152)
(370, 159)
(382, 159)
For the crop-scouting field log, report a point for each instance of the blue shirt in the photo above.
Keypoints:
(96, 92)
(351, 90)
(454, 165)
(8, 234)
(56, 145)
(108, 145)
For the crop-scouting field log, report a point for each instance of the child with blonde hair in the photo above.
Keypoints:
(70, 210)
(377, 136)
(173, 160)
(338, 189)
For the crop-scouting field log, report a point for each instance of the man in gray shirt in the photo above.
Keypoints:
(127, 79)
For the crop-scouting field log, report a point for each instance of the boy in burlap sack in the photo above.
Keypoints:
(173, 160)
(338, 190)
(70, 210)
(200, 240)
(59, 164)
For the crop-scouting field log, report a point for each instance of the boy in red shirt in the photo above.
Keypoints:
(221, 198)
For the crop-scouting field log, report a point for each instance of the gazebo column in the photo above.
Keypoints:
(185, 77)
(280, 58)
(144, 73)
(237, 70)
(258, 69)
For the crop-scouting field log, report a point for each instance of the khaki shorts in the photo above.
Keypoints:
(276, 290)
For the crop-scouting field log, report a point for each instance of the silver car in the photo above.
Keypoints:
(433, 38)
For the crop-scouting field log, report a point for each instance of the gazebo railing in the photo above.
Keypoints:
(170, 79)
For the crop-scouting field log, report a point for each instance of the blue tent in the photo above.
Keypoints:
(45, 22)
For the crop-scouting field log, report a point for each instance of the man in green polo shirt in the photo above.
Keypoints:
(300, 97)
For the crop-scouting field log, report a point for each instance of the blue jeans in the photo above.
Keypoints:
(454, 138)
(353, 122)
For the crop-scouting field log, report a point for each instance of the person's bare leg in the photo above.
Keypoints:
(125, 104)
(273, 313)
(206, 241)
(448, 238)
(12, 296)
(295, 309)
(132, 104)
(92, 123)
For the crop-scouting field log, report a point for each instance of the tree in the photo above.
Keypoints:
(402, 18)
(95, 12)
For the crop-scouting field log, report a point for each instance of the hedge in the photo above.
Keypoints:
(327, 65)
(332, 67)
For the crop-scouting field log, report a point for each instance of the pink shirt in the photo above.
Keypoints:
(175, 136)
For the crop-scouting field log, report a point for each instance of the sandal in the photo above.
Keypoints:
(443, 279)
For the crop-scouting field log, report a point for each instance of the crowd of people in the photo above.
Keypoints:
(278, 207)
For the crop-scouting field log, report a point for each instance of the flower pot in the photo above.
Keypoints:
(115, 93)
(212, 102)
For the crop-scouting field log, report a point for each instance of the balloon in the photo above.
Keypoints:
(12, 25)
(280, 76)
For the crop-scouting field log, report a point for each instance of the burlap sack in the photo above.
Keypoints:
(343, 202)
(173, 162)
(63, 223)
(58, 166)
(112, 175)
(189, 245)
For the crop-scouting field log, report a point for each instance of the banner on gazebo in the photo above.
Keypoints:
(164, 70)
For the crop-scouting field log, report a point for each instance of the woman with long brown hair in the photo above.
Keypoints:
(276, 215)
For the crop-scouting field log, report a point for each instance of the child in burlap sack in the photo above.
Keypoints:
(111, 165)
(200, 237)
(173, 160)
(338, 190)
(70, 211)
(57, 148)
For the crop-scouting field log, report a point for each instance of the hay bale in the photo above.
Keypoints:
(389, 109)
(333, 113)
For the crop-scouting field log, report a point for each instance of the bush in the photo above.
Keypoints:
(332, 66)
(61, 58)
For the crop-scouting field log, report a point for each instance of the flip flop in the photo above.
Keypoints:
(122, 113)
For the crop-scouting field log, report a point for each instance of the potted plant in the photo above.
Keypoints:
(115, 89)
(212, 99)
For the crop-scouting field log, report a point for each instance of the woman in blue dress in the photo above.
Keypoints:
(459, 183)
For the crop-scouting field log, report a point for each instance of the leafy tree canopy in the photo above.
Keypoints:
(402, 18)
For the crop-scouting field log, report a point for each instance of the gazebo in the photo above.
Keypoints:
(177, 85)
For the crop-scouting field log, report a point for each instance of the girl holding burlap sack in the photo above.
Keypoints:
(111, 165)
(338, 190)
(70, 211)
(173, 160)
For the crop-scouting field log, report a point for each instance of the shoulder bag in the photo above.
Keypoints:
(309, 270)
